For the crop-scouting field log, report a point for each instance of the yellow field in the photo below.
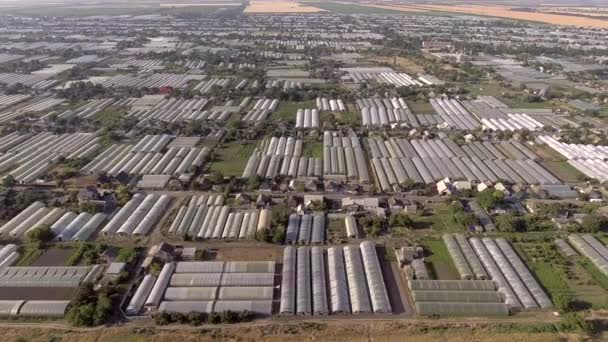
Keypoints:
(202, 4)
(506, 12)
(586, 11)
(280, 6)
(401, 8)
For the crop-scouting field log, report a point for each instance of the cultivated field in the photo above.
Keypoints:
(280, 6)
(506, 12)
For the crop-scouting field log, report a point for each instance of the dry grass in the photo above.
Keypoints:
(506, 12)
(345, 330)
(280, 6)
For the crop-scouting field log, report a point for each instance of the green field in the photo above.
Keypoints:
(287, 109)
(559, 277)
(313, 149)
(439, 261)
(421, 107)
(231, 159)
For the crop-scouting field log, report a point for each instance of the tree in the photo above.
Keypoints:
(488, 199)
(400, 220)
(8, 181)
(216, 177)
(40, 234)
(254, 182)
(123, 195)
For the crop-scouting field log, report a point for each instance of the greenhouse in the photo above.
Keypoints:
(10, 307)
(288, 285)
(457, 296)
(452, 285)
(190, 293)
(44, 308)
(258, 307)
(195, 279)
(462, 309)
(186, 306)
(246, 293)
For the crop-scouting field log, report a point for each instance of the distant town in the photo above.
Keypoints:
(282, 170)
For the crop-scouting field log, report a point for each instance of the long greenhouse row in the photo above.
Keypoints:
(281, 157)
(176, 110)
(588, 159)
(332, 105)
(502, 264)
(138, 216)
(214, 286)
(343, 157)
(592, 249)
(44, 276)
(33, 308)
(305, 229)
(396, 161)
(457, 298)
(147, 81)
(352, 282)
(493, 116)
(454, 114)
(34, 157)
(383, 112)
(86, 111)
(260, 110)
(210, 221)
(146, 158)
(65, 225)
(307, 118)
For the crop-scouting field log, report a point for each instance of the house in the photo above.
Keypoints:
(483, 186)
(462, 185)
(162, 252)
(595, 197)
(189, 253)
(444, 188)
(242, 199)
(394, 203)
(88, 194)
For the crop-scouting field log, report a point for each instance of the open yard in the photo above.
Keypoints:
(231, 159)
(53, 257)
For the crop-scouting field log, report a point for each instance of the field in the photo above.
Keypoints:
(313, 149)
(508, 13)
(439, 261)
(402, 64)
(232, 158)
(563, 277)
(350, 8)
(349, 330)
(280, 6)
(287, 109)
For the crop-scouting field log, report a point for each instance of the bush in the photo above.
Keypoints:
(400, 220)
(40, 234)
(90, 308)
